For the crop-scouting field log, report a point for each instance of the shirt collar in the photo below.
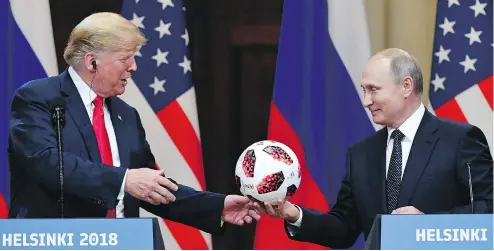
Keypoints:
(411, 125)
(86, 93)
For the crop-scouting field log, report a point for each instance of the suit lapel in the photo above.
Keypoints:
(118, 121)
(377, 161)
(422, 148)
(75, 107)
(118, 118)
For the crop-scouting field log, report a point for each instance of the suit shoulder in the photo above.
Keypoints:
(49, 83)
(124, 105)
(451, 127)
(368, 141)
(39, 89)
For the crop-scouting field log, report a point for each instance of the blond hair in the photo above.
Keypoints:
(102, 32)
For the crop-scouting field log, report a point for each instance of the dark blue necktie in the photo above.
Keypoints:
(393, 181)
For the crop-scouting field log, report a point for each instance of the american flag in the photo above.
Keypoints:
(461, 76)
(162, 92)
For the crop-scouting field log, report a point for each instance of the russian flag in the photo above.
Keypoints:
(317, 108)
(27, 52)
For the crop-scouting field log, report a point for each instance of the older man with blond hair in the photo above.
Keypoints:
(109, 168)
(416, 164)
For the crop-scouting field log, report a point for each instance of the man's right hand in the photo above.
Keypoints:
(282, 209)
(150, 185)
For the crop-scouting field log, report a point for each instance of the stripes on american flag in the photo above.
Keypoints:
(162, 92)
(461, 76)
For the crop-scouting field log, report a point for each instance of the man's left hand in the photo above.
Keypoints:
(239, 210)
(407, 210)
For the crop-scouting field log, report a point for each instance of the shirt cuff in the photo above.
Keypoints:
(298, 223)
(122, 188)
(294, 227)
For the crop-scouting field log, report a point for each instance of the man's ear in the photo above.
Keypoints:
(408, 86)
(90, 62)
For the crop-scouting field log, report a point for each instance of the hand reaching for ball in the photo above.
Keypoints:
(281, 209)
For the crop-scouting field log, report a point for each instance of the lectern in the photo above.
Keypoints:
(432, 232)
(81, 234)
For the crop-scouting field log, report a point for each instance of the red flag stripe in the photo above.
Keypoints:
(182, 133)
(4, 209)
(451, 110)
(184, 137)
(486, 88)
(187, 237)
(308, 194)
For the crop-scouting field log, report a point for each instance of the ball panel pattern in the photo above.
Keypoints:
(290, 191)
(271, 183)
(248, 163)
(278, 154)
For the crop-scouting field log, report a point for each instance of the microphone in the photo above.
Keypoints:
(470, 186)
(58, 121)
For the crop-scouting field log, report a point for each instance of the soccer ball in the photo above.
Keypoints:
(268, 171)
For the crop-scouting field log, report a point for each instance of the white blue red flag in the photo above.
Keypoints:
(27, 52)
(461, 76)
(317, 107)
(162, 92)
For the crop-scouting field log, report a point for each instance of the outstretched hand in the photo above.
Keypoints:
(282, 209)
(239, 210)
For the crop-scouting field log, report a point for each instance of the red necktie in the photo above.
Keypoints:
(102, 139)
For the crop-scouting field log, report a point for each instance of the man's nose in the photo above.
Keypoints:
(367, 100)
(133, 65)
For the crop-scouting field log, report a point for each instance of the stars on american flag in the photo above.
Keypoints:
(163, 29)
(137, 20)
(164, 59)
(166, 3)
(451, 2)
(160, 57)
(186, 65)
(459, 48)
(185, 36)
(479, 8)
(158, 85)
(438, 83)
(473, 36)
(442, 54)
(468, 63)
(447, 26)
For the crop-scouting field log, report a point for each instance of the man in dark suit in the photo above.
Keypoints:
(109, 168)
(416, 164)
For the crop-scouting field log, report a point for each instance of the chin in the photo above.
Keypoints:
(378, 120)
(120, 91)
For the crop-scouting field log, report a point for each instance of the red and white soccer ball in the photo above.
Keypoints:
(268, 171)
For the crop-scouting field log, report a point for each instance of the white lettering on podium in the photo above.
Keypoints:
(6, 240)
(451, 234)
(37, 239)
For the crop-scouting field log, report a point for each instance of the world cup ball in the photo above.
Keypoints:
(268, 171)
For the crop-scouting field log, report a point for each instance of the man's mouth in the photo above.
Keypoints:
(373, 112)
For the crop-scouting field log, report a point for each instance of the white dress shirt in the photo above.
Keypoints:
(87, 96)
(409, 129)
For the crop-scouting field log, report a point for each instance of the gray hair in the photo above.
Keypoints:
(402, 65)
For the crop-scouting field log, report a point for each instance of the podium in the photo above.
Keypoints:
(81, 234)
(432, 232)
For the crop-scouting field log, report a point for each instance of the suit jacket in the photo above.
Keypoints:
(90, 187)
(435, 181)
